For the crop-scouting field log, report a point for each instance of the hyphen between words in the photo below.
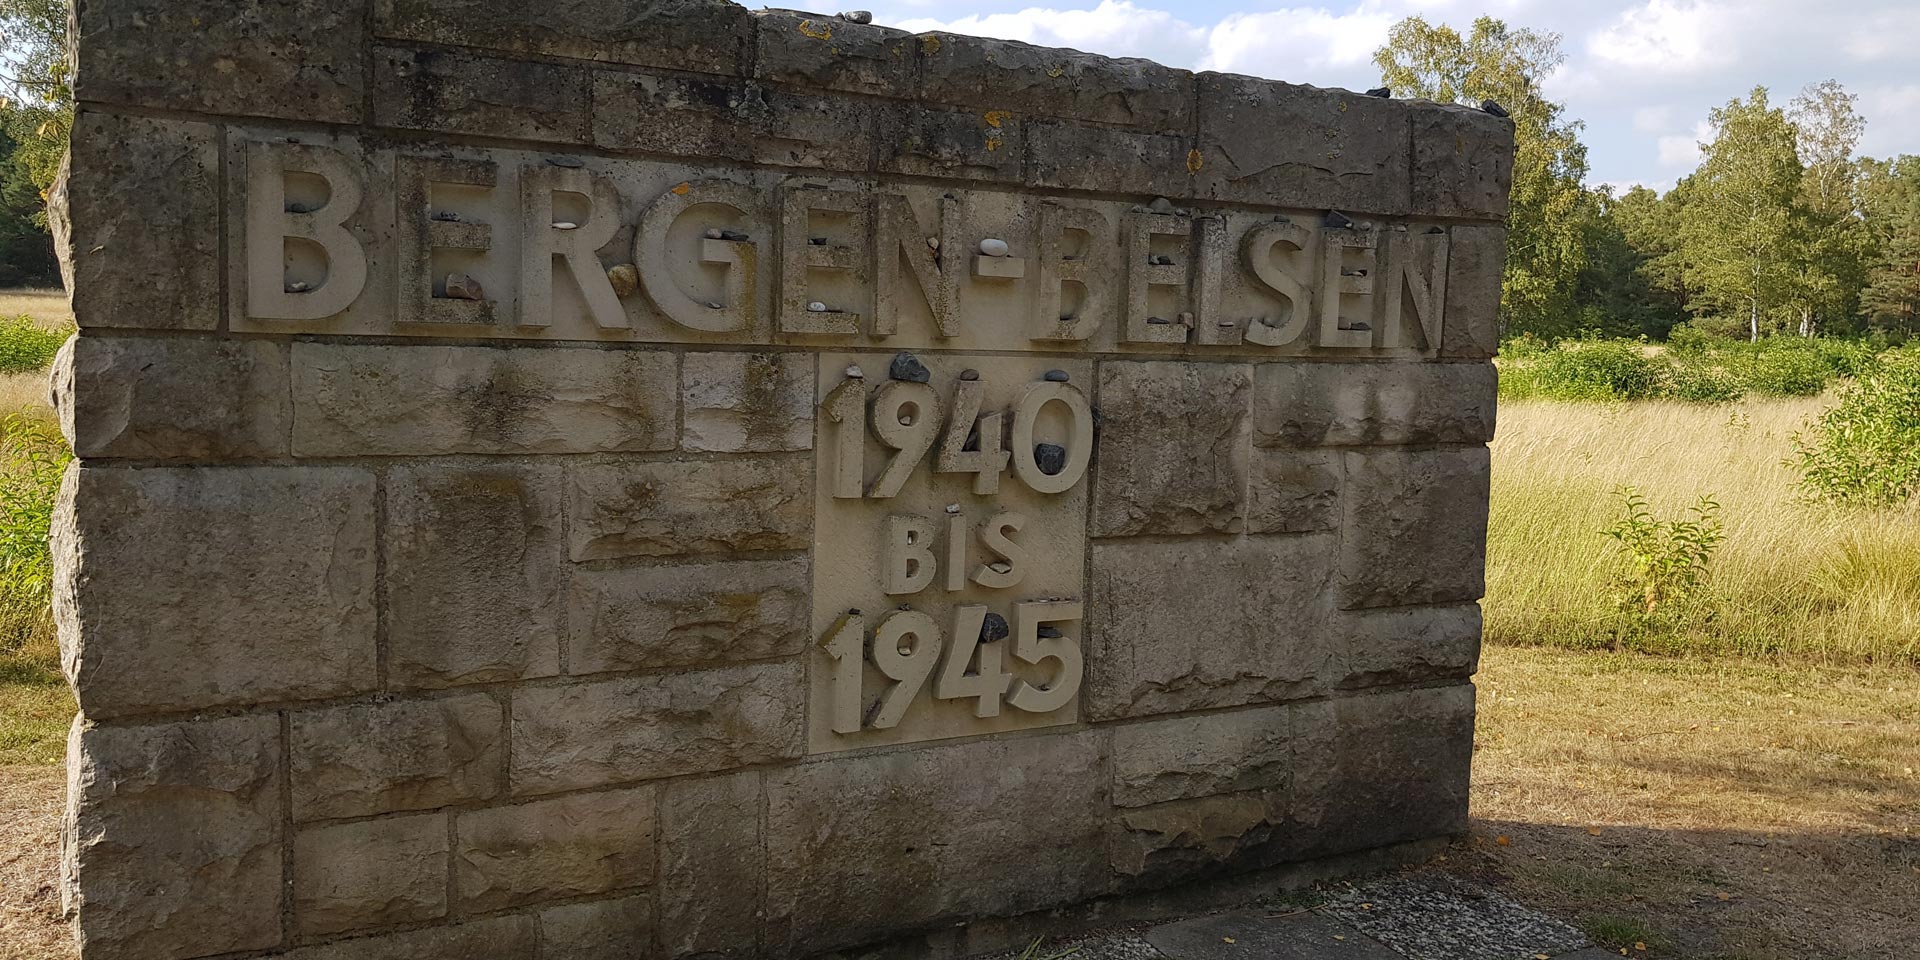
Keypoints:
(468, 247)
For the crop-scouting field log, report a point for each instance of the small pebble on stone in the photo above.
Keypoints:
(857, 16)
(906, 366)
(969, 374)
(1160, 260)
(463, 287)
(1338, 220)
(565, 225)
(1049, 633)
(1226, 323)
(1436, 231)
(1493, 108)
(713, 233)
(625, 278)
(994, 628)
(816, 307)
(817, 241)
(953, 508)
(855, 373)
(445, 216)
(1160, 205)
(933, 243)
(1056, 376)
(715, 305)
(1158, 321)
(298, 286)
(571, 163)
(733, 235)
(1381, 92)
(994, 247)
(300, 208)
(1051, 458)
(1186, 319)
(1000, 566)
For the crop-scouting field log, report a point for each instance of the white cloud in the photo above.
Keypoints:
(1667, 36)
(1653, 119)
(1883, 36)
(1116, 28)
(1683, 150)
(1286, 43)
(1893, 116)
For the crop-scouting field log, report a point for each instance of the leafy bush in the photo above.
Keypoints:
(33, 458)
(1668, 559)
(1588, 370)
(25, 345)
(1866, 448)
(1788, 372)
(1702, 381)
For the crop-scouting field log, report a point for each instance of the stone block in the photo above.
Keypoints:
(172, 843)
(1411, 644)
(123, 175)
(747, 402)
(568, 846)
(701, 116)
(171, 399)
(863, 846)
(929, 141)
(459, 92)
(712, 866)
(990, 74)
(1179, 626)
(828, 53)
(1353, 404)
(1293, 491)
(1168, 842)
(1416, 527)
(1379, 769)
(360, 400)
(801, 129)
(183, 589)
(1289, 145)
(370, 873)
(1476, 261)
(618, 510)
(588, 734)
(703, 36)
(291, 59)
(1462, 162)
(598, 930)
(650, 617)
(1074, 156)
(474, 561)
(513, 937)
(1188, 757)
(1172, 448)
(370, 758)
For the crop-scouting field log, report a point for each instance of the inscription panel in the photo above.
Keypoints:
(949, 546)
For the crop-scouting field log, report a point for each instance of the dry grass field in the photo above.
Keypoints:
(50, 307)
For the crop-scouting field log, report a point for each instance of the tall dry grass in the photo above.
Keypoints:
(1792, 577)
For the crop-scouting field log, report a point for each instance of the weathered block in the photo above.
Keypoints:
(172, 841)
(474, 558)
(1173, 448)
(705, 36)
(747, 402)
(1411, 644)
(827, 52)
(712, 865)
(1250, 614)
(1168, 842)
(459, 92)
(1074, 156)
(649, 617)
(1476, 259)
(568, 846)
(298, 60)
(639, 728)
(1293, 491)
(150, 399)
(400, 401)
(1380, 769)
(182, 589)
(370, 873)
(619, 510)
(122, 176)
(826, 836)
(1188, 757)
(930, 141)
(370, 758)
(990, 74)
(1350, 404)
(1262, 141)
(598, 930)
(514, 937)
(1416, 527)
(685, 116)
(1462, 162)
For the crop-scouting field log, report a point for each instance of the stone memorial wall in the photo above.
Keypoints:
(632, 480)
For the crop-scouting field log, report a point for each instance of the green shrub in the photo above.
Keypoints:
(1594, 370)
(26, 346)
(1703, 380)
(33, 458)
(1866, 448)
(1668, 560)
(1785, 372)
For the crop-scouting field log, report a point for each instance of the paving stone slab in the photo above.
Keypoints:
(1266, 934)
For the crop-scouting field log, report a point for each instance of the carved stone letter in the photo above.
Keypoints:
(662, 256)
(898, 236)
(543, 238)
(271, 293)
(1051, 318)
(417, 235)
(1289, 278)
(800, 257)
(1143, 274)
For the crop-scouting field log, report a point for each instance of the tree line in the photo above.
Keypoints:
(1779, 230)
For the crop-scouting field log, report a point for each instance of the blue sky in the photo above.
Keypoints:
(1641, 73)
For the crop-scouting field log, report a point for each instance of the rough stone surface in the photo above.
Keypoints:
(568, 846)
(620, 510)
(148, 399)
(1172, 448)
(934, 142)
(356, 400)
(599, 930)
(265, 593)
(1020, 77)
(826, 52)
(370, 873)
(711, 865)
(1262, 141)
(1077, 156)
(297, 60)
(1380, 769)
(747, 402)
(649, 617)
(459, 92)
(1169, 842)
(496, 938)
(1293, 491)
(950, 830)
(1476, 258)
(1411, 644)
(638, 728)
(1260, 933)
(175, 829)
(474, 562)
(707, 36)
(1250, 614)
(1188, 757)
(370, 758)
(1416, 527)
(1462, 162)
(123, 175)
(1345, 404)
